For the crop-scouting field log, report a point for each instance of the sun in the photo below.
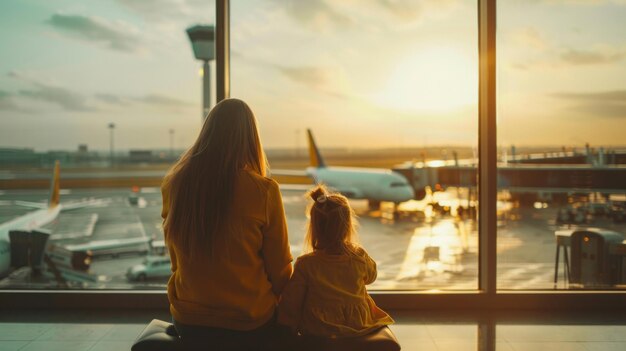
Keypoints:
(438, 79)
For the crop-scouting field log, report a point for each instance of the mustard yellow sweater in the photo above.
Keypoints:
(240, 288)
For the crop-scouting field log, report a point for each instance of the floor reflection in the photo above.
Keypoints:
(578, 334)
(423, 330)
(435, 248)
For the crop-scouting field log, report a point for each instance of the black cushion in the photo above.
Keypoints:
(381, 339)
(158, 336)
(162, 336)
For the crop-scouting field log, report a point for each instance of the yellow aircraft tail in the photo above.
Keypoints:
(315, 157)
(55, 185)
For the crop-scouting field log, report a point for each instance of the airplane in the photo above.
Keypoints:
(373, 184)
(34, 220)
(113, 247)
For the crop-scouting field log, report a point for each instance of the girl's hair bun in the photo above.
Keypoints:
(318, 194)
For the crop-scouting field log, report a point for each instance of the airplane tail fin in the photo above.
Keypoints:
(55, 186)
(314, 153)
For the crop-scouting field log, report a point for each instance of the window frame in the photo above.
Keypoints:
(487, 297)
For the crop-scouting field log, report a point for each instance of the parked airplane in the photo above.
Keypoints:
(44, 214)
(113, 247)
(373, 184)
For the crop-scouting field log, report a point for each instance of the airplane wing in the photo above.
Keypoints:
(37, 205)
(65, 206)
(82, 204)
(107, 244)
(85, 223)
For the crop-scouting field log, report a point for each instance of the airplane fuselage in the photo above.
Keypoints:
(364, 183)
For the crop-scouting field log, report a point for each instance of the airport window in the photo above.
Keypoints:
(388, 86)
(369, 102)
(561, 145)
(114, 92)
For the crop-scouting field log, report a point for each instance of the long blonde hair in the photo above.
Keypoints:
(201, 183)
(332, 223)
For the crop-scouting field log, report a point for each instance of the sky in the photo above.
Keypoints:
(360, 73)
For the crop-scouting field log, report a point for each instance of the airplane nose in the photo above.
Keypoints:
(405, 193)
(410, 192)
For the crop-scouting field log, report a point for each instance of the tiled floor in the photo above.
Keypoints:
(110, 331)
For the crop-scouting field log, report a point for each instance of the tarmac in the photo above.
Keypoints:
(421, 249)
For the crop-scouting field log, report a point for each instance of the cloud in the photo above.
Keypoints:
(62, 97)
(603, 96)
(329, 80)
(51, 93)
(610, 103)
(314, 13)
(150, 99)
(6, 101)
(529, 37)
(117, 35)
(44, 91)
(590, 57)
(156, 8)
(69, 100)
(575, 2)
(313, 76)
(112, 99)
(604, 110)
(168, 12)
(567, 58)
(408, 11)
(162, 100)
(403, 9)
(325, 15)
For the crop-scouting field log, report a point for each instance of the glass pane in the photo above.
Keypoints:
(561, 122)
(389, 85)
(111, 89)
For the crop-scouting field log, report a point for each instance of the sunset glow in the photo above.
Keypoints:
(438, 79)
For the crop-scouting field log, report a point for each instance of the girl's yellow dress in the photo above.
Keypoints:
(326, 296)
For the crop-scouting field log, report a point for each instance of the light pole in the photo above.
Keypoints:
(202, 39)
(111, 129)
(171, 142)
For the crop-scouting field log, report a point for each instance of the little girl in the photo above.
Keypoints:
(326, 295)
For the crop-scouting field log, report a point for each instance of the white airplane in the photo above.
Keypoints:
(373, 184)
(113, 247)
(44, 214)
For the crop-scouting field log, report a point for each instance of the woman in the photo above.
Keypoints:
(225, 229)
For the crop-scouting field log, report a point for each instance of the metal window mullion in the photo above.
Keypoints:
(487, 172)
(222, 49)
